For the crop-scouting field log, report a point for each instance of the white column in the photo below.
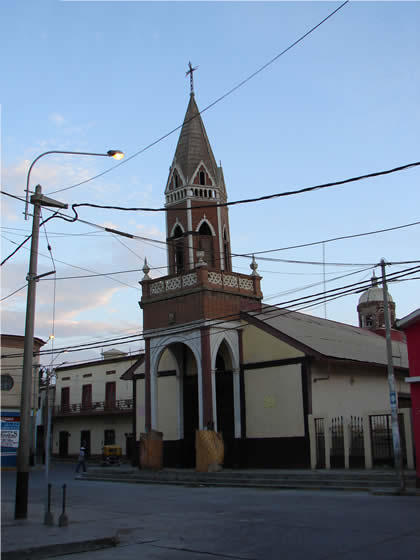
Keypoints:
(367, 442)
(312, 440)
(219, 227)
(213, 393)
(200, 396)
(237, 402)
(190, 239)
(180, 401)
(153, 395)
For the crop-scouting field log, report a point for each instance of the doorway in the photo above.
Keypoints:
(63, 444)
(225, 409)
(85, 442)
(190, 398)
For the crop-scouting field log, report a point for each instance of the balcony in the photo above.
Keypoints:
(122, 406)
(228, 282)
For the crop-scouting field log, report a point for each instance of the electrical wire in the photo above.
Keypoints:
(13, 293)
(249, 200)
(251, 253)
(218, 100)
(304, 302)
(248, 255)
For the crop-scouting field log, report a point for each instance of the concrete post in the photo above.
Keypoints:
(367, 441)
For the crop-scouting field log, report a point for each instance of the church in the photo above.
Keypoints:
(284, 389)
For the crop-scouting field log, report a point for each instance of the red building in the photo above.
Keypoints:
(411, 326)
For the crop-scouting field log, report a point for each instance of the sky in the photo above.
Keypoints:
(94, 75)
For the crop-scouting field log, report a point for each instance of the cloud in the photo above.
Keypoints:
(57, 119)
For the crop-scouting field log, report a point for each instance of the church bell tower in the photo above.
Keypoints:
(193, 313)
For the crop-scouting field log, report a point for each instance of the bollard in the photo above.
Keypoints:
(63, 519)
(49, 518)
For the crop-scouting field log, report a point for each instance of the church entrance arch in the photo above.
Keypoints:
(186, 385)
(225, 408)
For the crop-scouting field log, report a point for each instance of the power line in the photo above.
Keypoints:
(84, 269)
(305, 301)
(250, 254)
(13, 293)
(249, 200)
(218, 100)
(325, 240)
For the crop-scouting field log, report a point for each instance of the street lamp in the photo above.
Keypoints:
(22, 461)
(116, 154)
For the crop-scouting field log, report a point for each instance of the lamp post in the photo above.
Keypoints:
(22, 462)
(116, 154)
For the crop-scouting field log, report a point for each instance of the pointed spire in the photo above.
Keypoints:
(146, 270)
(193, 145)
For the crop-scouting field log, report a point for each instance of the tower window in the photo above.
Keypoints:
(202, 178)
(205, 243)
(175, 181)
(179, 250)
(226, 252)
(369, 321)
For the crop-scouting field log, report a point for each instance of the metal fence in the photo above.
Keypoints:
(381, 438)
(357, 448)
(337, 443)
(320, 443)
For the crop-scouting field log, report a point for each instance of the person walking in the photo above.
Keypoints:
(81, 460)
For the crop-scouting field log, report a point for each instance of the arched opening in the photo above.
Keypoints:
(226, 251)
(177, 403)
(179, 260)
(205, 243)
(225, 402)
(202, 178)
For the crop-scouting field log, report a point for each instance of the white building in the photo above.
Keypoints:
(93, 405)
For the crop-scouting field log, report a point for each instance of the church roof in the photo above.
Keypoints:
(328, 339)
(194, 146)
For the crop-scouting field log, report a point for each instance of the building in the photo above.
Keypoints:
(11, 386)
(411, 327)
(284, 388)
(93, 405)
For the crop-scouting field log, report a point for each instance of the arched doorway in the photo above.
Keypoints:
(178, 404)
(225, 410)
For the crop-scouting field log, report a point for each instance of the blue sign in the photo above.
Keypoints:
(393, 398)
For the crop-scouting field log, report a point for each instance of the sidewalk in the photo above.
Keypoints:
(31, 539)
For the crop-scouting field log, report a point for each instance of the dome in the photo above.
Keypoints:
(373, 294)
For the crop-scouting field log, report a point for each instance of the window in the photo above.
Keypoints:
(6, 382)
(110, 394)
(86, 397)
(205, 243)
(65, 399)
(109, 437)
(226, 251)
(202, 178)
(179, 250)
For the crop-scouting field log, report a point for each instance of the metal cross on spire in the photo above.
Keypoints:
(190, 72)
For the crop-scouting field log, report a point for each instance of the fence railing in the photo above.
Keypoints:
(94, 407)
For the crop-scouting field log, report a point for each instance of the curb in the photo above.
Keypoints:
(40, 552)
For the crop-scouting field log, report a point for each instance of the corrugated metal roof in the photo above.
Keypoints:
(331, 339)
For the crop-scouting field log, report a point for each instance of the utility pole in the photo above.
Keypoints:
(22, 463)
(396, 440)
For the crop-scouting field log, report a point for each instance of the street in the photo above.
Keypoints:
(168, 522)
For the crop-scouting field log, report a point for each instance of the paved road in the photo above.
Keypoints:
(173, 523)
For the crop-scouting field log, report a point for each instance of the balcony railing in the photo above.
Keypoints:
(95, 407)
